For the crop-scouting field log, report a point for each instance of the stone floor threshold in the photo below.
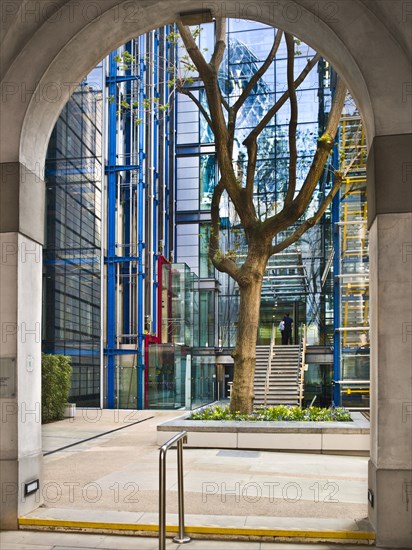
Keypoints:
(198, 526)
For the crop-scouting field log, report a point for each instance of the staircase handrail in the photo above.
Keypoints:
(269, 367)
(302, 364)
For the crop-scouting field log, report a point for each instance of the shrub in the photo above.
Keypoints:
(276, 413)
(55, 384)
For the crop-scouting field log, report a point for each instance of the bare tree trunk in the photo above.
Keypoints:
(244, 353)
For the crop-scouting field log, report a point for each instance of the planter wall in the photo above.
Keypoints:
(321, 437)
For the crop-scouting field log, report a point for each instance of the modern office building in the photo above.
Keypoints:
(129, 291)
(72, 274)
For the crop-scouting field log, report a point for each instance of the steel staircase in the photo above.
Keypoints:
(281, 383)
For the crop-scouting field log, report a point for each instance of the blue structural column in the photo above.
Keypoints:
(140, 237)
(111, 237)
(336, 289)
(155, 182)
(113, 259)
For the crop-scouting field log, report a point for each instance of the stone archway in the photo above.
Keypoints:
(48, 46)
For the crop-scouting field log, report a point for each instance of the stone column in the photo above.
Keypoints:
(21, 238)
(390, 220)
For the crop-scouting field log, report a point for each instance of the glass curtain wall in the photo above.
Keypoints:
(72, 253)
(293, 278)
(139, 210)
(353, 330)
(178, 377)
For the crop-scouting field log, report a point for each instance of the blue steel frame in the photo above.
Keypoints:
(336, 287)
(155, 182)
(140, 236)
(112, 259)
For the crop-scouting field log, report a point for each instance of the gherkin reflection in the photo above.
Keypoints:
(271, 178)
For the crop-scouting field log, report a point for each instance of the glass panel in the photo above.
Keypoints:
(206, 134)
(207, 318)
(167, 377)
(355, 396)
(318, 383)
(356, 366)
(206, 269)
(207, 180)
(126, 390)
(203, 380)
(196, 329)
(182, 305)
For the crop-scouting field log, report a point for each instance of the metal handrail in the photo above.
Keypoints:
(269, 369)
(179, 438)
(302, 365)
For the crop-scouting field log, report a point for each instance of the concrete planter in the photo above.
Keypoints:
(319, 437)
(70, 410)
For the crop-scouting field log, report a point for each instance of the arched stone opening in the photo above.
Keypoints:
(46, 52)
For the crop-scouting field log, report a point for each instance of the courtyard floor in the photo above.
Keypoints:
(95, 476)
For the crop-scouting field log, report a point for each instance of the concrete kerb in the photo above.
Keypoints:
(321, 437)
(215, 532)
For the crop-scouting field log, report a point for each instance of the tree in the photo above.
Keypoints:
(258, 233)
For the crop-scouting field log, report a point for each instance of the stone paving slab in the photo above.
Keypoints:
(27, 540)
(114, 479)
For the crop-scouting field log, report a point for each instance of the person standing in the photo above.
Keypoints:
(287, 331)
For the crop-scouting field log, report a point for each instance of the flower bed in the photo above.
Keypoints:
(330, 435)
(274, 414)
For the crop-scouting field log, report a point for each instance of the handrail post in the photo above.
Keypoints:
(302, 365)
(181, 538)
(162, 499)
(269, 367)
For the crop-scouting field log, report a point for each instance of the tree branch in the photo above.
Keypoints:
(224, 102)
(325, 144)
(223, 138)
(251, 169)
(310, 222)
(221, 262)
(220, 45)
(293, 123)
(185, 91)
(259, 73)
(254, 134)
(292, 212)
(192, 49)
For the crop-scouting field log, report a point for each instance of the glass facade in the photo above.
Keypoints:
(72, 253)
(353, 329)
(166, 311)
(178, 379)
(293, 278)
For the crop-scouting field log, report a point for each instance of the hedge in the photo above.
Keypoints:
(55, 384)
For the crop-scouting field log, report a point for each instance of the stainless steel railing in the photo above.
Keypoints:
(269, 367)
(302, 365)
(179, 438)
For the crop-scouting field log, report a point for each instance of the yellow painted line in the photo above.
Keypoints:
(42, 522)
(209, 530)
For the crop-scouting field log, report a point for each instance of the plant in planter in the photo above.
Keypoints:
(274, 414)
(56, 381)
